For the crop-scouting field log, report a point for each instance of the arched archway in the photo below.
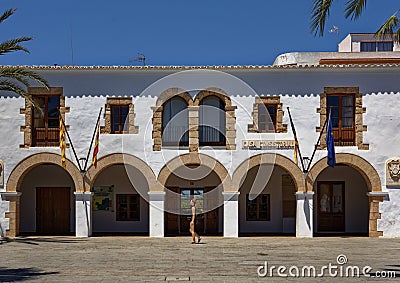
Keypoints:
(44, 193)
(196, 176)
(172, 92)
(368, 172)
(17, 174)
(196, 159)
(212, 91)
(120, 203)
(268, 184)
(370, 177)
(123, 158)
(272, 159)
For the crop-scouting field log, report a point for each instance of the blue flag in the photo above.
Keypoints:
(330, 143)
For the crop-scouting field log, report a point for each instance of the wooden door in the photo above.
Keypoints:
(186, 210)
(212, 216)
(171, 211)
(178, 212)
(185, 215)
(53, 211)
(331, 207)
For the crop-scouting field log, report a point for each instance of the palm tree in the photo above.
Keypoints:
(17, 79)
(353, 10)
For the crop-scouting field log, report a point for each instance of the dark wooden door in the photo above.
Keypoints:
(212, 215)
(53, 211)
(171, 211)
(179, 214)
(331, 207)
(186, 210)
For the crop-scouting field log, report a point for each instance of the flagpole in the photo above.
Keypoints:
(94, 133)
(316, 145)
(295, 139)
(70, 141)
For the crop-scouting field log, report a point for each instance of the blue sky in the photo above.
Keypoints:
(175, 32)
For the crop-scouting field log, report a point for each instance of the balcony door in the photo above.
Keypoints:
(175, 122)
(212, 122)
(46, 122)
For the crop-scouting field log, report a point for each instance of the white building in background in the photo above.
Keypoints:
(220, 134)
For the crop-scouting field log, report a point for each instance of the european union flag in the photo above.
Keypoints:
(330, 143)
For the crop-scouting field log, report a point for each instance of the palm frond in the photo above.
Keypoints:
(319, 15)
(16, 73)
(6, 14)
(8, 85)
(22, 75)
(354, 8)
(389, 27)
(14, 45)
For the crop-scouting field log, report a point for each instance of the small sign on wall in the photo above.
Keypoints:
(268, 144)
(1, 174)
(393, 172)
(103, 198)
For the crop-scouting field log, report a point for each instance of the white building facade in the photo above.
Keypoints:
(219, 134)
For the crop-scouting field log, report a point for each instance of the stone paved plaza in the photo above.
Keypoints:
(128, 259)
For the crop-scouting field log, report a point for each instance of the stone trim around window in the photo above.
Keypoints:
(359, 111)
(230, 117)
(157, 117)
(28, 111)
(280, 127)
(193, 112)
(106, 129)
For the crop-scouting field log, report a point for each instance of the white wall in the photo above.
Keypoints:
(258, 179)
(86, 91)
(345, 44)
(115, 175)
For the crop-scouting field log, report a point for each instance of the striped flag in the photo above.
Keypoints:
(96, 147)
(296, 148)
(62, 144)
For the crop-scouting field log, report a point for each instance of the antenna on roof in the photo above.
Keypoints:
(71, 45)
(335, 29)
(140, 58)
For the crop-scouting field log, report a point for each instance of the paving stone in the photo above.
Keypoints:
(141, 259)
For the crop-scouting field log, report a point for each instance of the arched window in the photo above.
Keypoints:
(212, 121)
(175, 122)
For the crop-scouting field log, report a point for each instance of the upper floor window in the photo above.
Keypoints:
(343, 118)
(119, 118)
(376, 46)
(175, 122)
(267, 116)
(46, 121)
(41, 127)
(345, 103)
(212, 121)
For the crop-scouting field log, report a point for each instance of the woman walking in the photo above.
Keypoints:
(193, 204)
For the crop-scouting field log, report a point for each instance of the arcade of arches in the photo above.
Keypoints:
(130, 198)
